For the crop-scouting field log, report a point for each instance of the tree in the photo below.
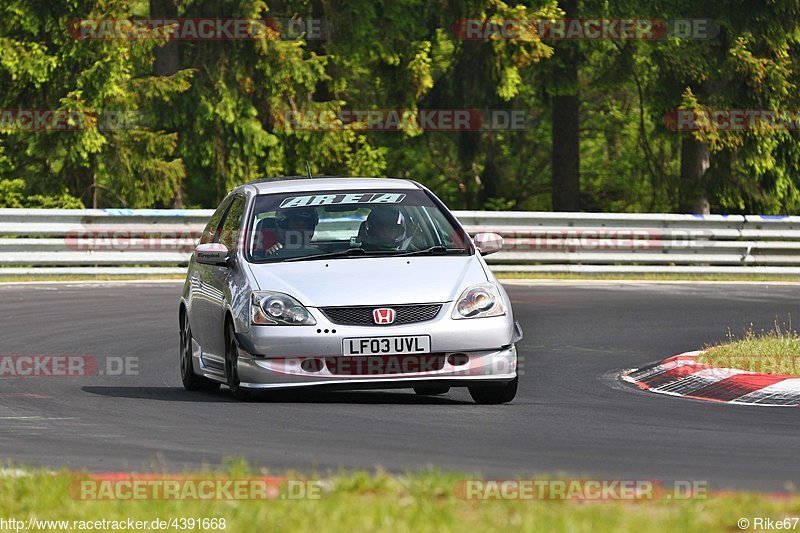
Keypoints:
(742, 66)
(566, 120)
(105, 89)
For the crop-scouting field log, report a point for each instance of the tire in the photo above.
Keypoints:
(431, 391)
(231, 369)
(190, 380)
(493, 395)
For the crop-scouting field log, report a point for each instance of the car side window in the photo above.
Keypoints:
(210, 230)
(232, 225)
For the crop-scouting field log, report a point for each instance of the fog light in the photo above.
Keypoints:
(458, 359)
(312, 365)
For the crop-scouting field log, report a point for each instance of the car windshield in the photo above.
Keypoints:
(301, 226)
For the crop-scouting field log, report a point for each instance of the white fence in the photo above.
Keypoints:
(125, 241)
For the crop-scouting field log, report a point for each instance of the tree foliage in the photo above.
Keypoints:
(166, 122)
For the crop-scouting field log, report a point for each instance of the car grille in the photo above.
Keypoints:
(362, 316)
(372, 365)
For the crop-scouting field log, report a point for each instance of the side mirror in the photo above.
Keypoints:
(488, 243)
(212, 253)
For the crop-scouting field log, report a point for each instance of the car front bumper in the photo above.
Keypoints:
(483, 350)
(483, 367)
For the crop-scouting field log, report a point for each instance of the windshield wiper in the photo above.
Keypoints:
(434, 250)
(331, 255)
(350, 252)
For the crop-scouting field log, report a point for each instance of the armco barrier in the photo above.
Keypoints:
(131, 241)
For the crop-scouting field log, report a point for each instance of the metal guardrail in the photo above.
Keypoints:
(152, 241)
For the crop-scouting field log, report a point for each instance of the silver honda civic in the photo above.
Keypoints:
(347, 283)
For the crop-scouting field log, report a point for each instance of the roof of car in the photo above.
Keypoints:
(326, 183)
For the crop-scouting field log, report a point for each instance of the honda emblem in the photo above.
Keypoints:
(383, 315)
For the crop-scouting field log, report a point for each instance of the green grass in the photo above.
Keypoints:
(381, 502)
(776, 351)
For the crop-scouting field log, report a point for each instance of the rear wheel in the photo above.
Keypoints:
(493, 395)
(231, 365)
(431, 391)
(191, 381)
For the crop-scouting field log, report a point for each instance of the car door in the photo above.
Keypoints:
(217, 277)
(199, 301)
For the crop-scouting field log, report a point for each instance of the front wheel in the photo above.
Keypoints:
(231, 365)
(190, 380)
(493, 395)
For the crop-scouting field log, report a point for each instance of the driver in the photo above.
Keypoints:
(386, 228)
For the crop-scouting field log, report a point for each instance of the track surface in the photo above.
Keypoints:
(571, 415)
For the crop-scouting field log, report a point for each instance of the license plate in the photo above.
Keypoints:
(409, 344)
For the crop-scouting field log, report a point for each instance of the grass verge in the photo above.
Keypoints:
(381, 502)
(776, 351)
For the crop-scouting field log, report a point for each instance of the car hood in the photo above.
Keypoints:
(372, 280)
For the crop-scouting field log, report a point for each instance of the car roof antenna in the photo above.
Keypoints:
(308, 169)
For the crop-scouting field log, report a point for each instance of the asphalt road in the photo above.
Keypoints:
(571, 416)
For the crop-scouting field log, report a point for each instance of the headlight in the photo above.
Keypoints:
(479, 301)
(278, 309)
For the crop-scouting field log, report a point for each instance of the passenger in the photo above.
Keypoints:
(294, 229)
